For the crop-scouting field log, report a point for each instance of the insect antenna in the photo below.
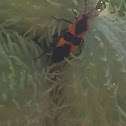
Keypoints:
(86, 8)
(85, 5)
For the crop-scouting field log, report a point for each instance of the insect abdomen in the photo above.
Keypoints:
(60, 52)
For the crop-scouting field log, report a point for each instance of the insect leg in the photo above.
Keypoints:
(76, 13)
(79, 50)
(39, 56)
(62, 20)
(82, 40)
(75, 55)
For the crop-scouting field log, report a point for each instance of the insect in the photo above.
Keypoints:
(72, 38)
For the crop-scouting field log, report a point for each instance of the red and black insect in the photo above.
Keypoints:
(71, 39)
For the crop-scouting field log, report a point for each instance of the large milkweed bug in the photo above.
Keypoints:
(72, 38)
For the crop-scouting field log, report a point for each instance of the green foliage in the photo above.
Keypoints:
(120, 4)
(97, 77)
(22, 83)
(114, 5)
(89, 90)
